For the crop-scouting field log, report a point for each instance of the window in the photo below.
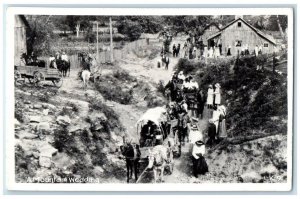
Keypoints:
(266, 45)
(238, 43)
(239, 24)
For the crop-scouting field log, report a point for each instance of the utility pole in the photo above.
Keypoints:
(97, 47)
(111, 42)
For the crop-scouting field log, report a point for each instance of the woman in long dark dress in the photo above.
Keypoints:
(199, 163)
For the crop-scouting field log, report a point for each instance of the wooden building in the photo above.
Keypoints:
(209, 30)
(239, 35)
(20, 43)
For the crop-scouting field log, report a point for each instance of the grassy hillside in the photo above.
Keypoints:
(256, 100)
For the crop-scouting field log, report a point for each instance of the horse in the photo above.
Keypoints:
(132, 155)
(159, 158)
(85, 75)
(63, 66)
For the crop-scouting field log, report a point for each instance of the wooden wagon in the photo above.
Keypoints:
(36, 74)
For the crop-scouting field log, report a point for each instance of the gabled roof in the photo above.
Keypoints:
(212, 24)
(261, 34)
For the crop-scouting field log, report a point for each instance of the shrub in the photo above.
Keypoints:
(112, 87)
(64, 141)
(112, 117)
(74, 107)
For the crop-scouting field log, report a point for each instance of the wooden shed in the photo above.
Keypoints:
(208, 31)
(238, 35)
(20, 46)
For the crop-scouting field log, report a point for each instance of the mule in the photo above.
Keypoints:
(85, 76)
(159, 158)
(63, 66)
(132, 155)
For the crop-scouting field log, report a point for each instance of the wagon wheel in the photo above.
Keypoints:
(58, 82)
(37, 78)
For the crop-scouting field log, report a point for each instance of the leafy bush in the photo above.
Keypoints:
(160, 87)
(64, 141)
(112, 117)
(113, 87)
(246, 111)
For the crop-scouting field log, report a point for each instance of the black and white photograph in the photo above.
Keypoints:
(167, 97)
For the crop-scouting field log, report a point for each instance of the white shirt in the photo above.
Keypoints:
(197, 150)
(51, 59)
(64, 57)
(181, 76)
(195, 135)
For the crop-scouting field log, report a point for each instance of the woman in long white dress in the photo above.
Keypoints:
(217, 94)
(210, 97)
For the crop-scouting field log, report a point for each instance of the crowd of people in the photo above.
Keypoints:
(188, 101)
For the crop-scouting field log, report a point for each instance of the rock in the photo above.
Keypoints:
(49, 106)
(27, 135)
(36, 119)
(113, 136)
(73, 129)
(64, 120)
(45, 162)
(47, 150)
(36, 154)
(69, 107)
(96, 120)
(27, 102)
(46, 111)
(43, 127)
(270, 169)
(17, 123)
(251, 176)
(28, 153)
(37, 106)
(98, 170)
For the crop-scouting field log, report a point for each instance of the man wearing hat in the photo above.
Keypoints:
(181, 76)
(64, 57)
(183, 120)
(199, 163)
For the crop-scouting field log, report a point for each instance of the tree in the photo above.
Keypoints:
(40, 35)
(131, 29)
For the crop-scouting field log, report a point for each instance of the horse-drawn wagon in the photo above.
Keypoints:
(37, 74)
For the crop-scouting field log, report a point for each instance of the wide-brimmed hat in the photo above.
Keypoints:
(159, 137)
(222, 108)
(199, 143)
(194, 126)
(210, 86)
(217, 85)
